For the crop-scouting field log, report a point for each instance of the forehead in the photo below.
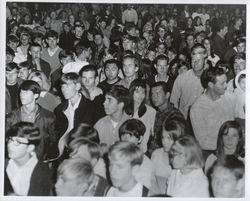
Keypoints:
(221, 78)
(118, 157)
(111, 65)
(128, 60)
(88, 73)
(157, 89)
(107, 96)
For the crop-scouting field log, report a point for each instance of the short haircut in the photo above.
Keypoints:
(224, 131)
(86, 131)
(240, 55)
(37, 35)
(161, 57)
(65, 53)
(74, 77)
(10, 51)
(24, 64)
(231, 163)
(112, 61)
(87, 68)
(51, 34)
(94, 149)
(198, 45)
(128, 150)
(11, 66)
(237, 41)
(25, 130)
(12, 38)
(79, 48)
(131, 56)
(192, 149)
(165, 86)
(210, 75)
(35, 45)
(221, 25)
(133, 127)
(120, 93)
(80, 169)
(30, 85)
(98, 33)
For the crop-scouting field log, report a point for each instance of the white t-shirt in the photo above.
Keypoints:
(134, 192)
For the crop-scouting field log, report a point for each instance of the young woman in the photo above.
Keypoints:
(138, 109)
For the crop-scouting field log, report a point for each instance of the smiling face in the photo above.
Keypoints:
(166, 140)
(230, 140)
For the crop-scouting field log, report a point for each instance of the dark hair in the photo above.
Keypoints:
(112, 61)
(35, 45)
(10, 51)
(24, 64)
(79, 48)
(120, 93)
(161, 57)
(210, 75)
(25, 130)
(30, 85)
(87, 68)
(65, 53)
(74, 77)
(12, 38)
(165, 86)
(198, 45)
(37, 35)
(224, 131)
(133, 127)
(51, 34)
(135, 84)
(11, 66)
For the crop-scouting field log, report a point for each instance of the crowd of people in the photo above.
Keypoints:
(126, 100)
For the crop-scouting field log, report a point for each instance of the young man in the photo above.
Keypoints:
(125, 161)
(36, 63)
(24, 70)
(24, 169)
(75, 177)
(116, 100)
(30, 111)
(211, 109)
(50, 54)
(133, 130)
(187, 87)
(99, 48)
(111, 70)
(74, 110)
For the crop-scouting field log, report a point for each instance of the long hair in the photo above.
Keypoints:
(142, 108)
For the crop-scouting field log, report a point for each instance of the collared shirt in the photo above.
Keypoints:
(29, 116)
(108, 132)
(187, 88)
(208, 115)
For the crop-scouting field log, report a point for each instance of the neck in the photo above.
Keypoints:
(29, 107)
(117, 116)
(162, 107)
(127, 187)
(213, 96)
(131, 78)
(198, 73)
(221, 35)
(162, 77)
(229, 151)
(74, 99)
(22, 161)
(52, 49)
(186, 170)
(112, 81)
(136, 106)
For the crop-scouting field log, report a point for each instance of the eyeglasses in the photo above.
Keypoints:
(16, 141)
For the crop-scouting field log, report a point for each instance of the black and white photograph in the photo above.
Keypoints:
(123, 99)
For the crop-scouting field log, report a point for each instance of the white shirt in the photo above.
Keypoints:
(136, 191)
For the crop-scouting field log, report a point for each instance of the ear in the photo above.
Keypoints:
(140, 140)
(135, 169)
(57, 41)
(136, 68)
(36, 96)
(78, 86)
(121, 105)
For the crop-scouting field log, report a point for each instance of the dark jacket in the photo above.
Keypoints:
(45, 67)
(85, 113)
(40, 182)
(45, 121)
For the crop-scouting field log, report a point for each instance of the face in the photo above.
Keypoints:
(231, 139)
(13, 45)
(27, 97)
(242, 84)
(120, 170)
(35, 52)
(78, 32)
(9, 58)
(68, 185)
(98, 40)
(178, 158)
(161, 32)
(198, 62)
(168, 40)
(161, 49)
(132, 32)
(17, 147)
(127, 44)
(23, 73)
(11, 77)
(241, 47)
(206, 43)
(224, 183)
(129, 67)
(158, 96)
(111, 105)
(239, 65)
(139, 95)
(162, 67)
(88, 79)
(151, 55)
(52, 42)
(166, 140)
(221, 84)
(70, 89)
(182, 69)
(24, 40)
(190, 41)
(141, 45)
(111, 71)
(66, 60)
(53, 15)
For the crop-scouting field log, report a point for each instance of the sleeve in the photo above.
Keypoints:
(176, 93)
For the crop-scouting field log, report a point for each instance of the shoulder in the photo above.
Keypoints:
(102, 121)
